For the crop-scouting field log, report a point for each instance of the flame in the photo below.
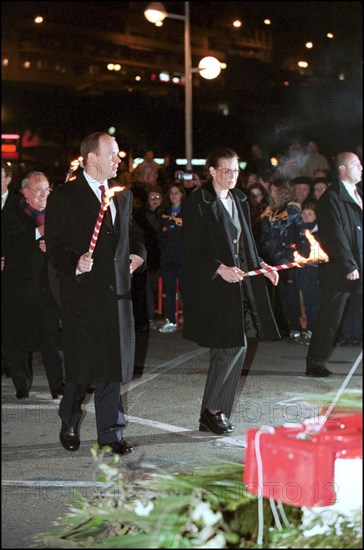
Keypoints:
(316, 252)
(74, 165)
(109, 195)
(72, 168)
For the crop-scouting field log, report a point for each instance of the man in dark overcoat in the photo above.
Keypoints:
(98, 324)
(340, 222)
(222, 308)
(30, 314)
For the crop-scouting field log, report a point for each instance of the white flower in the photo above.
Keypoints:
(142, 510)
(218, 541)
(108, 470)
(203, 512)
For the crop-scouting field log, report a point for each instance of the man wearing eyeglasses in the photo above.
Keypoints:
(31, 314)
(222, 308)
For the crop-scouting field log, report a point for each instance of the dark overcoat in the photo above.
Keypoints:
(98, 324)
(218, 314)
(340, 222)
(29, 313)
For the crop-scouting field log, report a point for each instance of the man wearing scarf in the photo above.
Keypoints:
(29, 308)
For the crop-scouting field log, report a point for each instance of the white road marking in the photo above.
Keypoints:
(164, 367)
(30, 406)
(56, 483)
(158, 425)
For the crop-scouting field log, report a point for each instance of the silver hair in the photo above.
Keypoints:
(25, 180)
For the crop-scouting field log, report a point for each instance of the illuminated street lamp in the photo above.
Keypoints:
(209, 67)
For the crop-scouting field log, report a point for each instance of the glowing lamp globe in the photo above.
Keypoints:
(155, 12)
(209, 67)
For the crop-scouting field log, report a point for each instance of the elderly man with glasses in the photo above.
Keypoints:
(31, 316)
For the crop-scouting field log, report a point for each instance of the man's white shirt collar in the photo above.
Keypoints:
(95, 186)
(350, 189)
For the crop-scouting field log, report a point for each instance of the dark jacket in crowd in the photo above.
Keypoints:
(30, 315)
(149, 221)
(278, 234)
(340, 234)
(171, 240)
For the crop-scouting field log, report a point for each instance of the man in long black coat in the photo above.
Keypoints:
(221, 308)
(30, 314)
(98, 324)
(340, 221)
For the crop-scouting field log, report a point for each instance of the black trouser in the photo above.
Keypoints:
(290, 299)
(22, 372)
(109, 412)
(223, 379)
(327, 323)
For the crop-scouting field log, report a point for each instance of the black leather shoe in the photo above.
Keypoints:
(121, 447)
(22, 394)
(69, 437)
(216, 423)
(319, 372)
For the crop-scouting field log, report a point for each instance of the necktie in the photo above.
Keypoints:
(358, 199)
(107, 211)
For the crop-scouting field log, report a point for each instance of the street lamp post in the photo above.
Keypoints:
(156, 13)
(188, 88)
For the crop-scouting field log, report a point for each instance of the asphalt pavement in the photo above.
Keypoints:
(40, 478)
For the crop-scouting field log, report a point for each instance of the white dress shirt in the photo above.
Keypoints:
(95, 186)
(4, 196)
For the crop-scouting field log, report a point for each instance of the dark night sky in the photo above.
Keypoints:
(293, 23)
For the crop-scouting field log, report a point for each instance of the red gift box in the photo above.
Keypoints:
(284, 465)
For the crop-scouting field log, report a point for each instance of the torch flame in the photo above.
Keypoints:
(73, 167)
(316, 252)
(109, 195)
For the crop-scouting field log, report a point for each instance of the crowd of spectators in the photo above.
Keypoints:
(282, 201)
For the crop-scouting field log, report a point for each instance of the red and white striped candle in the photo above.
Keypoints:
(269, 269)
(96, 232)
(263, 270)
(104, 206)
